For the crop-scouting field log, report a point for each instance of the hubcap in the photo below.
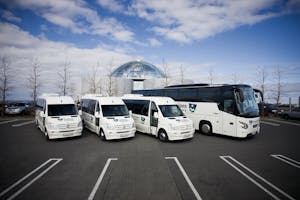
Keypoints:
(205, 128)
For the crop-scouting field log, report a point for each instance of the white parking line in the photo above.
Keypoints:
(57, 160)
(9, 121)
(186, 177)
(96, 186)
(22, 124)
(283, 122)
(269, 123)
(287, 160)
(227, 158)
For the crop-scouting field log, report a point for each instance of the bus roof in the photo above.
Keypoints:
(157, 99)
(58, 99)
(105, 100)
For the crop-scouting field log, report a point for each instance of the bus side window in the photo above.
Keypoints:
(145, 108)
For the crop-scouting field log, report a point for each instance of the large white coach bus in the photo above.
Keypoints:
(57, 116)
(159, 116)
(108, 117)
(222, 109)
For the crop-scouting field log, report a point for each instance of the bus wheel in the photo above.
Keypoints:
(47, 135)
(102, 135)
(205, 128)
(162, 135)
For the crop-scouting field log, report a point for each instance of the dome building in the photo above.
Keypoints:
(139, 73)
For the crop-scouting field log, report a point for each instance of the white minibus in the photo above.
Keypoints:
(108, 117)
(57, 116)
(159, 116)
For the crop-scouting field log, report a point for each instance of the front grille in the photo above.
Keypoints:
(67, 126)
(123, 126)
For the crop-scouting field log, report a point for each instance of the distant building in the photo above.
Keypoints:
(142, 74)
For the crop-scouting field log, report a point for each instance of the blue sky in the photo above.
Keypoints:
(225, 37)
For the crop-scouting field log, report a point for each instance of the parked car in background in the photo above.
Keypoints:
(16, 109)
(293, 114)
(269, 109)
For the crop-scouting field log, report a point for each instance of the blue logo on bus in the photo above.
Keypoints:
(192, 107)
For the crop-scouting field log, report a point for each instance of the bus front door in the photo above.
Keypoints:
(229, 124)
(153, 119)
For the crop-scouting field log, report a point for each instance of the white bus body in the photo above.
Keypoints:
(222, 109)
(108, 117)
(159, 116)
(57, 116)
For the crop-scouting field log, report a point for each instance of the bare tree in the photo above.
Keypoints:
(64, 78)
(93, 80)
(5, 80)
(34, 82)
(262, 79)
(110, 79)
(181, 73)
(278, 73)
(166, 71)
(235, 78)
(211, 75)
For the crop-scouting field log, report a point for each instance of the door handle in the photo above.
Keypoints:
(231, 123)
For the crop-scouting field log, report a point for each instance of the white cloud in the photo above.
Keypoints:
(154, 42)
(112, 5)
(76, 16)
(9, 16)
(186, 21)
(52, 56)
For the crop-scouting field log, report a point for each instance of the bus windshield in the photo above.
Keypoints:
(114, 110)
(246, 102)
(62, 109)
(170, 110)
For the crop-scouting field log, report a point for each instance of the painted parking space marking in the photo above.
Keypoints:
(23, 124)
(185, 176)
(287, 160)
(9, 121)
(242, 169)
(269, 123)
(96, 186)
(283, 122)
(53, 161)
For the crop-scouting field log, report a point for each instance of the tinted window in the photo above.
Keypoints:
(114, 110)
(139, 107)
(62, 109)
(91, 107)
(84, 105)
(170, 111)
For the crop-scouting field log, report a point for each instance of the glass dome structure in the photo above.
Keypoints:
(138, 70)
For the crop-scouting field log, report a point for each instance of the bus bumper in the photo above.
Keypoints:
(113, 135)
(180, 135)
(55, 134)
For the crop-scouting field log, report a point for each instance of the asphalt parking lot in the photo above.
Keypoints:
(266, 166)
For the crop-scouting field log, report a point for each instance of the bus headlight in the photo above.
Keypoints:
(172, 127)
(244, 125)
(51, 126)
(110, 126)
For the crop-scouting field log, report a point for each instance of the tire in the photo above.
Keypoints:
(205, 128)
(102, 135)
(162, 136)
(47, 135)
(37, 124)
(286, 117)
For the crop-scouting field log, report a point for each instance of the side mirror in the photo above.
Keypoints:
(130, 113)
(42, 114)
(97, 114)
(79, 112)
(155, 115)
